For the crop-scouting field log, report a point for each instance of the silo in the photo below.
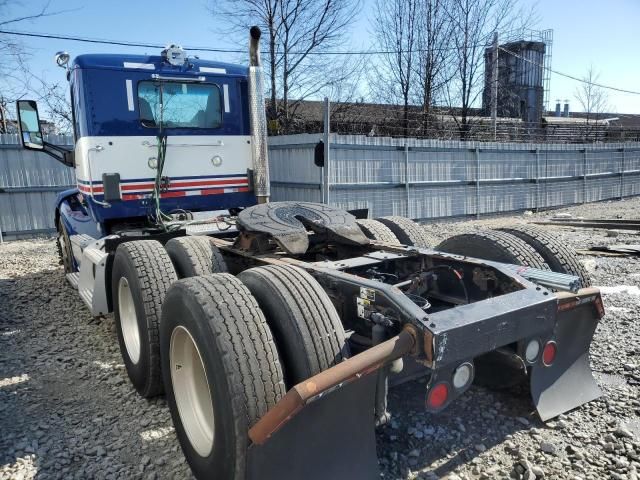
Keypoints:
(521, 78)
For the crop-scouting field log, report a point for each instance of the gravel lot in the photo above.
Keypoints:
(68, 411)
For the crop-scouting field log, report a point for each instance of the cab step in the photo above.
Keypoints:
(78, 244)
(73, 279)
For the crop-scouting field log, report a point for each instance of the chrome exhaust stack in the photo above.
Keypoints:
(258, 120)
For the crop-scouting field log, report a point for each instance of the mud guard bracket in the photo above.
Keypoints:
(568, 383)
(331, 438)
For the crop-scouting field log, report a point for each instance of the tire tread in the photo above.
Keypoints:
(559, 257)
(376, 230)
(156, 274)
(509, 248)
(195, 256)
(319, 327)
(246, 347)
(407, 231)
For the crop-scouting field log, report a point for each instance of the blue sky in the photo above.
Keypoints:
(585, 32)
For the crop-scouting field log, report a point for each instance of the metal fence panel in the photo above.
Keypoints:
(417, 178)
(29, 183)
(425, 179)
(440, 201)
(381, 200)
(30, 212)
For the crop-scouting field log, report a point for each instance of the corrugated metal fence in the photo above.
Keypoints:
(424, 179)
(29, 183)
(420, 179)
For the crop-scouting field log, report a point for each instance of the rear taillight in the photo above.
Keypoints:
(438, 396)
(549, 353)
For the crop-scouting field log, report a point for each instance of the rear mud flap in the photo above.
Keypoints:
(331, 438)
(569, 382)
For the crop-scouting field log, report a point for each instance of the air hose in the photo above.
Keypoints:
(160, 217)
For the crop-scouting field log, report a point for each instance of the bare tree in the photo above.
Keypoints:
(13, 62)
(396, 32)
(592, 98)
(54, 97)
(296, 31)
(434, 53)
(473, 25)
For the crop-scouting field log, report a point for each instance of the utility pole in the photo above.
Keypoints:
(3, 115)
(326, 178)
(494, 86)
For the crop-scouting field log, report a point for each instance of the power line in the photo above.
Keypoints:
(103, 41)
(352, 52)
(566, 75)
(208, 49)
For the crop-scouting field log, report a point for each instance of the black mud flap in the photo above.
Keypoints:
(331, 438)
(569, 382)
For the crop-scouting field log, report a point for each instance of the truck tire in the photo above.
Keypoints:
(375, 230)
(142, 273)
(221, 370)
(494, 246)
(192, 256)
(407, 231)
(305, 324)
(559, 257)
(65, 252)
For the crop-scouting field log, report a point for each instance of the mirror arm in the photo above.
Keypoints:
(54, 154)
(57, 148)
(61, 154)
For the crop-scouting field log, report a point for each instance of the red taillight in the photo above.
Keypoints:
(438, 396)
(549, 353)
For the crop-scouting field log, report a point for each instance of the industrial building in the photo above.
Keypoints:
(523, 78)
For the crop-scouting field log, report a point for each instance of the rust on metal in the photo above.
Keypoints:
(350, 370)
(569, 301)
(428, 347)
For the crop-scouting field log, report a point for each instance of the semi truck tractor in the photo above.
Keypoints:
(275, 329)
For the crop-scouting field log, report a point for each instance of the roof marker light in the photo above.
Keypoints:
(174, 55)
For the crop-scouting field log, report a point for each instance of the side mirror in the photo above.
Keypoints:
(29, 125)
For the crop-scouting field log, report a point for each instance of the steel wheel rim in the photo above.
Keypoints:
(191, 391)
(128, 320)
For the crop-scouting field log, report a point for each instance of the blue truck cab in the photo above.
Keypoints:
(133, 114)
(163, 144)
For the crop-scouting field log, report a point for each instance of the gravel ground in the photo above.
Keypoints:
(68, 411)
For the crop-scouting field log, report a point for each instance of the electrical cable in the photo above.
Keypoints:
(55, 36)
(347, 52)
(456, 274)
(161, 219)
(566, 75)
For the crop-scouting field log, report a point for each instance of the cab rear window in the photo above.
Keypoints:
(179, 105)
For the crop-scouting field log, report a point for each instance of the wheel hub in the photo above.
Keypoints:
(128, 321)
(191, 391)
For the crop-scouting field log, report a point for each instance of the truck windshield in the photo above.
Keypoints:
(179, 105)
